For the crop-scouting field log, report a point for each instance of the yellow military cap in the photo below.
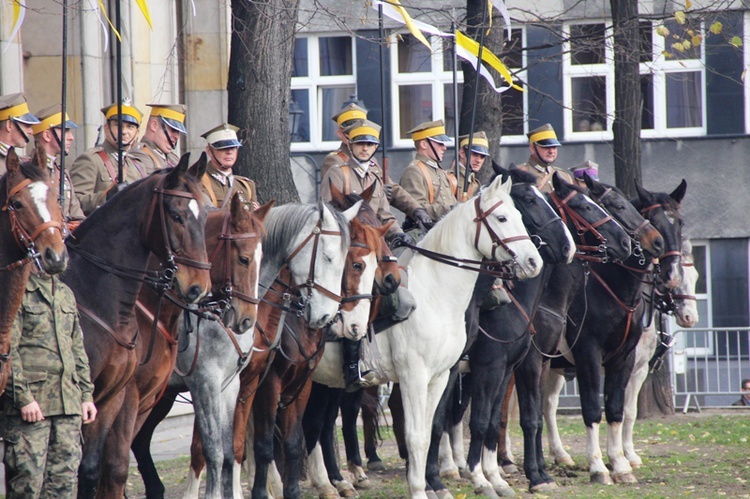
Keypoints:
(223, 136)
(363, 131)
(348, 113)
(172, 114)
(543, 136)
(129, 113)
(15, 106)
(588, 167)
(479, 144)
(433, 130)
(51, 117)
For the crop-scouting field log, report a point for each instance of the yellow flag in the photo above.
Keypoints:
(410, 24)
(487, 56)
(104, 13)
(144, 9)
(19, 13)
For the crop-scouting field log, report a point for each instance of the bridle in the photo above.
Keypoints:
(633, 233)
(23, 236)
(346, 297)
(582, 226)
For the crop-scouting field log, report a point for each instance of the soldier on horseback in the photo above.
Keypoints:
(543, 146)
(15, 125)
(163, 129)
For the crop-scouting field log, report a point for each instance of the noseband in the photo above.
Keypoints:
(497, 241)
(22, 236)
(347, 298)
(582, 226)
(634, 234)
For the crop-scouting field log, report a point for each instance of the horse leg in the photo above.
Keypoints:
(396, 405)
(553, 383)
(227, 401)
(208, 425)
(293, 440)
(243, 432)
(504, 451)
(643, 353)
(617, 374)
(370, 427)
(588, 371)
(264, 415)
(141, 446)
(491, 469)
(432, 471)
(116, 456)
(350, 405)
(316, 470)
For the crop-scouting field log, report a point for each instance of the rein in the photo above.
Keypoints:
(633, 233)
(582, 226)
(24, 239)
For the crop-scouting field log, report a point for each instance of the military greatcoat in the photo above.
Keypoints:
(429, 185)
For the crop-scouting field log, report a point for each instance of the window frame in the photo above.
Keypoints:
(314, 83)
(521, 75)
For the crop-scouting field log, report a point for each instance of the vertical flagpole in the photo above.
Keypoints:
(63, 100)
(118, 63)
(474, 102)
(456, 110)
(383, 125)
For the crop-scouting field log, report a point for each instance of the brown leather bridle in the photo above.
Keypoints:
(24, 238)
(582, 226)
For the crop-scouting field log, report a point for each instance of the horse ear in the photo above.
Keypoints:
(12, 164)
(679, 192)
(594, 186)
(199, 168)
(350, 213)
(367, 193)
(262, 212)
(383, 229)
(499, 170)
(556, 181)
(40, 156)
(642, 192)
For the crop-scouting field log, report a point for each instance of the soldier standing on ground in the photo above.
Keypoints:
(156, 148)
(543, 146)
(15, 125)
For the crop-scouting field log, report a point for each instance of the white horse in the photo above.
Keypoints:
(686, 315)
(418, 352)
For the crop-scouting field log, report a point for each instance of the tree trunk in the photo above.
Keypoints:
(260, 71)
(627, 125)
(488, 117)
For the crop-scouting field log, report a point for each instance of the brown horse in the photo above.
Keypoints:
(162, 214)
(31, 230)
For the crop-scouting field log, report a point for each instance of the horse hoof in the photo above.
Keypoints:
(543, 487)
(486, 491)
(431, 494)
(625, 478)
(375, 466)
(601, 478)
(329, 495)
(636, 464)
(566, 462)
(363, 483)
(443, 494)
(450, 474)
(510, 469)
(505, 491)
(464, 473)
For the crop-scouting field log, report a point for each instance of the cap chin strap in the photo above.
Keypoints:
(109, 127)
(20, 130)
(434, 152)
(539, 156)
(364, 164)
(166, 132)
(213, 157)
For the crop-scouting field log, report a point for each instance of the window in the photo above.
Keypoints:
(323, 79)
(514, 103)
(672, 81)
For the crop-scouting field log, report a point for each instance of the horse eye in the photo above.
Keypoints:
(358, 267)
(177, 218)
(244, 260)
(16, 205)
(502, 219)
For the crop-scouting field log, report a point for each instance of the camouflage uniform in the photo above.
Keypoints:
(544, 173)
(220, 188)
(434, 195)
(50, 367)
(151, 157)
(92, 177)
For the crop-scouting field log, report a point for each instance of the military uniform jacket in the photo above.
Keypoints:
(428, 184)
(3, 156)
(349, 178)
(336, 158)
(151, 157)
(92, 176)
(49, 361)
(458, 185)
(219, 188)
(543, 174)
(71, 207)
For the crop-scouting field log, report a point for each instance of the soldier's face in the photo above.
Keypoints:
(160, 138)
(226, 158)
(543, 154)
(129, 131)
(363, 150)
(477, 160)
(53, 136)
(436, 152)
(14, 137)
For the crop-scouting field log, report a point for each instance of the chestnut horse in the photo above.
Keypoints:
(161, 214)
(31, 230)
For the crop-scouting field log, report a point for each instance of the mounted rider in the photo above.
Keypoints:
(348, 115)
(480, 150)
(95, 173)
(220, 183)
(164, 127)
(15, 125)
(588, 167)
(49, 133)
(543, 146)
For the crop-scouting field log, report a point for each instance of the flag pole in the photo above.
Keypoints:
(63, 101)
(118, 64)
(456, 111)
(383, 125)
(474, 103)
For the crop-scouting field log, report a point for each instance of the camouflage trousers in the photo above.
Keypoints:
(41, 459)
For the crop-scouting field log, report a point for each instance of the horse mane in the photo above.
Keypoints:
(663, 199)
(372, 239)
(28, 169)
(522, 177)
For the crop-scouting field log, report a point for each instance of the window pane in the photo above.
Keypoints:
(299, 121)
(335, 56)
(512, 55)
(678, 43)
(413, 56)
(699, 257)
(647, 44)
(589, 104)
(512, 111)
(299, 64)
(587, 44)
(416, 106)
(331, 101)
(450, 114)
(647, 94)
(684, 107)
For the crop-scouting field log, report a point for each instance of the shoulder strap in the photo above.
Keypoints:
(453, 183)
(428, 179)
(148, 151)
(245, 183)
(343, 156)
(347, 171)
(206, 181)
(108, 164)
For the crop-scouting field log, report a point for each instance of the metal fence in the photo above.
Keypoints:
(707, 364)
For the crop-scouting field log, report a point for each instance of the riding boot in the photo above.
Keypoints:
(352, 378)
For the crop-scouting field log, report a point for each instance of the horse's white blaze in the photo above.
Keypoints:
(194, 208)
(39, 191)
(571, 244)
(258, 258)
(355, 320)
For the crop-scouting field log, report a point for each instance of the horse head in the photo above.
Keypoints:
(663, 211)
(500, 234)
(31, 214)
(616, 204)
(686, 305)
(547, 230)
(596, 231)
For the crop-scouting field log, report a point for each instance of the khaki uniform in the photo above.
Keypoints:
(92, 176)
(428, 184)
(151, 157)
(458, 186)
(543, 174)
(3, 156)
(336, 158)
(219, 188)
(350, 178)
(50, 367)
(71, 207)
